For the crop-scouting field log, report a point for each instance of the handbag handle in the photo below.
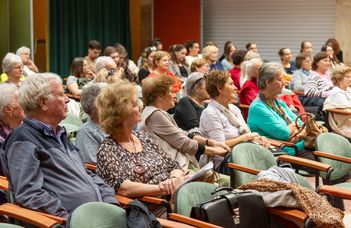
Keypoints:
(218, 189)
(300, 129)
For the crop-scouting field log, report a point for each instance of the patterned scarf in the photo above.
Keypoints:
(275, 106)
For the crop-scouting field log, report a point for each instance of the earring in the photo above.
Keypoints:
(11, 114)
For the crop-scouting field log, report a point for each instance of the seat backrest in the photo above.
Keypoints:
(98, 214)
(337, 145)
(253, 156)
(192, 194)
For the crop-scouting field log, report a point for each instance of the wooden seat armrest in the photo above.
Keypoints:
(153, 200)
(123, 200)
(243, 168)
(90, 166)
(172, 224)
(298, 92)
(332, 156)
(306, 162)
(190, 221)
(4, 184)
(29, 216)
(279, 143)
(339, 111)
(288, 213)
(335, 191)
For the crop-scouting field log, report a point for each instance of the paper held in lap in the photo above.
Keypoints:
(199, 173)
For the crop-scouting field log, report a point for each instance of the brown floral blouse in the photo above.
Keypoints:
(116, 165)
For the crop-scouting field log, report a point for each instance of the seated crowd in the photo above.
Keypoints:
(149, 126)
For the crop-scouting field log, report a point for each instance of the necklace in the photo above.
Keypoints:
(138, 166)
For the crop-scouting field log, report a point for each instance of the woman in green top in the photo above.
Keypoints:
(270, 116)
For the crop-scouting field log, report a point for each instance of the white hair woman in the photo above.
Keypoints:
(29, 66)
(11, 113)
(12, 67)
(210, 54)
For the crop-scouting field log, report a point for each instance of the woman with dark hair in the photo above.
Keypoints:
(193, 51)
(285, 56)
(336, 47)
(147, 63)
(238, 59)
(319, 83)
(306, 47)
(334, 61)
(226, 59)
(177, 62)
(251, 46)
(80, 75)
(129, 67)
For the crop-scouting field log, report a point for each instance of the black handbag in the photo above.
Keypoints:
(233, 209)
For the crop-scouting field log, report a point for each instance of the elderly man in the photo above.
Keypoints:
(44, 169)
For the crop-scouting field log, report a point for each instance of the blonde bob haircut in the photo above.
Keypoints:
(197, 63)
(114, 104)
(339, 73)
(159, 55)
(156, 86)
(208, 50)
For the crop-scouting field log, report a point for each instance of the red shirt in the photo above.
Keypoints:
(248, 93)
(177, 84)
(235, 72)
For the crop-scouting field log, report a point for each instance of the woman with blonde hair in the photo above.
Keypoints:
(210, 54)
(131, 162)
(161, 62)
(340, 97)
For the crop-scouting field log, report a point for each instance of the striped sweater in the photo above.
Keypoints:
(316, 86)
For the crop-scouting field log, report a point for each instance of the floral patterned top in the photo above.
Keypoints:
(150, 166)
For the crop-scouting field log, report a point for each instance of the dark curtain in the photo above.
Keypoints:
(74, 22)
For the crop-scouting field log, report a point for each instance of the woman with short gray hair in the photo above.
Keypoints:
(11, 113)
(269, 116)
(90, 135)
(12, 67)
(188, 110)
(29, 66)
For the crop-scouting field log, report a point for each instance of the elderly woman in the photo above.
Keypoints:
(158, 98)
(29, 66)
(12, 67)
(108, 76)
(80, 76)
(177, 65)
(340, 97)
(319, 83)
(90, 135)
(271, 117)
(188, 110)
(130, 161)
(200, 65)
(210, 54)
(161, 62)
(304, 66)
(227, 57)
(221, 120)
(11, 113)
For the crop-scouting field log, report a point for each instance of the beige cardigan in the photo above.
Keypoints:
(164, 130)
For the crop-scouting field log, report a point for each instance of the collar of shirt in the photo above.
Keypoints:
(48, 130)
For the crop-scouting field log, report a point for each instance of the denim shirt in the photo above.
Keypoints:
(46, 176)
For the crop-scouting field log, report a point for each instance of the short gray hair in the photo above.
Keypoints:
(9, 60)
(34, 87)
(267, 72)
(102, 61)
(246, 69)
(22, 50)
(8, 91)
(89, 94)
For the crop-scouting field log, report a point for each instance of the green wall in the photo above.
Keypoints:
(14, 25)
(4, 26)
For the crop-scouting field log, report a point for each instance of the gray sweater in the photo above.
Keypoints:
(48, 175)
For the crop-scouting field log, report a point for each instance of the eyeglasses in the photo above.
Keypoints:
(110, 72)
(152, 48)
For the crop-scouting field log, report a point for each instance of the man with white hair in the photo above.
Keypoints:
(44, 169)
(29, 66)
